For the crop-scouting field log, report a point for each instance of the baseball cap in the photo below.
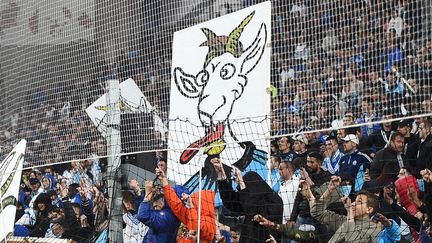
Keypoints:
(351, 138)
(33, 181)
(302, 139)
(405, 123)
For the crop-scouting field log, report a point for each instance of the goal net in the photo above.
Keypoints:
(105, 92)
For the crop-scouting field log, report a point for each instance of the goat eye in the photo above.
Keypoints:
(227, 71)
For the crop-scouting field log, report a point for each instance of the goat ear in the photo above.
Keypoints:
(254, 52)
(186, 84)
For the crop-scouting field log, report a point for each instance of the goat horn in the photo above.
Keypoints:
(232, 45)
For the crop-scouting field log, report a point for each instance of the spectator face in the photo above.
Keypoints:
(77, 211)
(360, 207)
(366, 106)
(424, 131)
(35, 187)
(283, 145)
(348, 119)
(387, 124)
(285, 171)
(313, 164)
(274, 163)
(404, 130)
(63, 184)
(235, 236)
(349, 146)
(341, 134)
(298, 146)
(32, 174)
(373, 76)
(398, 143)
(46, 183)
(41, 206)
(331, 147)
(158, 204)
(277, 124)
(162, 165)
(310, 136)
(427, 106)
(390, 79)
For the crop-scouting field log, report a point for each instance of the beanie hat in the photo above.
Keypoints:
(179, 190)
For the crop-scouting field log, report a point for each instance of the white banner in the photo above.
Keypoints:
(41, 22)
(132, 100)
(10, 174)
(220, 72)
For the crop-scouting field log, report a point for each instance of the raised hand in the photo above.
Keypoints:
(238, 177)
(271, 239)
(134, 184)
(305, 190)
(263, 221)
(387, 192)
(335, 181)
(217, 164)
(382, 219)
(162, 176)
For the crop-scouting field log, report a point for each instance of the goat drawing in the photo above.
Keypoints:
(218, 86)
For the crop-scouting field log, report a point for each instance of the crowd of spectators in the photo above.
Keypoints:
(68, 202)
(363, 56)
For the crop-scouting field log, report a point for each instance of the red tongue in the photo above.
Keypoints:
(193, 149)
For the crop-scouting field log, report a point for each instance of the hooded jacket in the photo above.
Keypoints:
(189, 216)
(162, 223)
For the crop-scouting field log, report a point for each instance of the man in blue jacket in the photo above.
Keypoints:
(354, 163)
(155, 213)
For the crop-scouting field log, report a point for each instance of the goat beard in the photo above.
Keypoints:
(213, 139)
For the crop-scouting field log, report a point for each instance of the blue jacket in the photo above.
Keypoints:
(162, 224)
(350, 163)
(390, 234)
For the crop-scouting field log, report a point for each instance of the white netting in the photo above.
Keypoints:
(333, 64)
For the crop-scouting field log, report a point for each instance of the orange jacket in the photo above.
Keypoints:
(189, 216)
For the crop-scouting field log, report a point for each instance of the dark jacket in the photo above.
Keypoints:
(42, 221)
(72, 227)
(424, 158)
(385, 165)
(301, 205)
(256, 198)
(162, 224)
(350, 163)
(376, 141)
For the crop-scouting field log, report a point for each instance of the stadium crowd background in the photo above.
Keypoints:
(333, 64)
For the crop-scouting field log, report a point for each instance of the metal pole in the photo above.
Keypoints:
(113, 152)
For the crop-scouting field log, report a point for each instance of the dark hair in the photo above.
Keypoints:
(396, 134)
(352, 130)
(278, 158)
(316, 155)
(236, 228)
(428, 123)
(329, 138)
(127, 196)
(368, 100)
(372, 199)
